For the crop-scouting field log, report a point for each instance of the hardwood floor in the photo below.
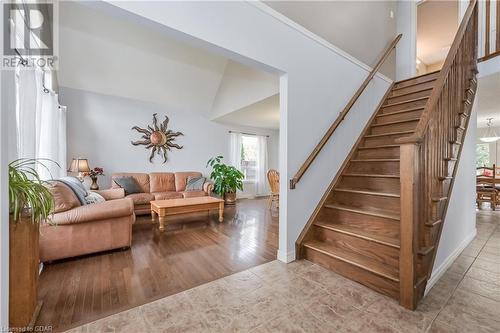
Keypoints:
(194, 250)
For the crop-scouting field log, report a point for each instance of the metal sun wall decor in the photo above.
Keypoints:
(157, 138)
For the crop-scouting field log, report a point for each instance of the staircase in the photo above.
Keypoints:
(380, 221)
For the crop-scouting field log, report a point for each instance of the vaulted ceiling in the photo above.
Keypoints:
(107, 54)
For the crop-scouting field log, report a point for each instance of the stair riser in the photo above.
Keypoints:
(382, 140)
(373, 224)
(377, 184)
(373, 281)
(416, 87)
(392, 152)
(437, 210)
(445, 185)
(413, 95)
(461, 121)
(454, 150)
(404, 106)
(365, 201)
(416, 80)
(450, 165)
(399, 116)
(406, 126)
(381, 253)
(378, 168)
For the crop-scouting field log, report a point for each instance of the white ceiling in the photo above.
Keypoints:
(108, 54)
(488, 100)
(437, 23)
(263, 114)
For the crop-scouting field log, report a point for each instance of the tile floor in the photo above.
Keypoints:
(303, 297)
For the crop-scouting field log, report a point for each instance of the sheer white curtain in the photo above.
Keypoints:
(235, 150)
(261, 185)
(41, 123)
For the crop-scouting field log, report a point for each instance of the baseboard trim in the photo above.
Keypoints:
(286, 257)
(438, 272)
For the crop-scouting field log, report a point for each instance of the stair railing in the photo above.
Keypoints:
(491, 45)
(428, 158)
(312, 156)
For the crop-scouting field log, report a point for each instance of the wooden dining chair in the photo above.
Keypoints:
(273, 177)
(486, 190)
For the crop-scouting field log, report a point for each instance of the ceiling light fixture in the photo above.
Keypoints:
(490, 135)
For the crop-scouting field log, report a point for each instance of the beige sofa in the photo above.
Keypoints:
(77, 230)
(161, 186)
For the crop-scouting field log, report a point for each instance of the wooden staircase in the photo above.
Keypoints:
(380, 220)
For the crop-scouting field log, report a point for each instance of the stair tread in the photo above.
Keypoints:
(368, 192)
(363, 262)
(388, 134)
(380, 147)
(396, 122)
(376, 160)
(372, 175)
(416, 78)
(404, 102)
(410, 92)
(400, 111)
(371, 211)
(361, 233)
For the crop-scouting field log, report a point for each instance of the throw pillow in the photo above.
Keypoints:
(64, 198)
(195, 183)
(77, 187)
(129, 184)
(93, 198)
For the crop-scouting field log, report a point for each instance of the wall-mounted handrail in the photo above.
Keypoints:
(342, 115)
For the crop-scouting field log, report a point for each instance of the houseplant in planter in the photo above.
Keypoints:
(227, 179)
(30, 203)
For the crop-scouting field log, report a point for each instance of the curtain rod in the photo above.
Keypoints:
(249, 133)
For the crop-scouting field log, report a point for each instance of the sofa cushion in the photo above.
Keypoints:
(93, 198)
(195, 183)
(64, 197)
(193, 194)
(161, 182)
(76, 186)
(141, 178)
(181, 179)
(141, 198)
(167, 195)
(129, 184)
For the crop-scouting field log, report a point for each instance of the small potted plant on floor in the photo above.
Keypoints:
(30, 203)
(227, 179)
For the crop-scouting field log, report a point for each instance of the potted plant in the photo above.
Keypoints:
(93, 174)
(227, 179)
(30, 203)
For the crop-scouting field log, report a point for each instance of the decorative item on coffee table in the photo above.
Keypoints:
(30, 203)
(93, 174)
(227, 179)
(157, 138)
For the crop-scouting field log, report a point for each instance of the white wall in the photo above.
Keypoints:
(242, 86)
(460, 223)
(99, 128)
(361, 28)
(406, 53)
(319, 79)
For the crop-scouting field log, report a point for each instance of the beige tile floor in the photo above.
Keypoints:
(303, 297)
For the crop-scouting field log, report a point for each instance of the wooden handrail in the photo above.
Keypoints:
(342, 115)
(438, 87)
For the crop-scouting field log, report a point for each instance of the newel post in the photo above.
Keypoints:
(409, 175)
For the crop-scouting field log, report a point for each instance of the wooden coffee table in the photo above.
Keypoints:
(163, 208)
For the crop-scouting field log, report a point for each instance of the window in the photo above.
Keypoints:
(482, 154)
(249, 155)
